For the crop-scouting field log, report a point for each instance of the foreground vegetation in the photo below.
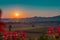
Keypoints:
(49, 33)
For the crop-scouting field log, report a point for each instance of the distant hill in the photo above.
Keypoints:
(32, 19)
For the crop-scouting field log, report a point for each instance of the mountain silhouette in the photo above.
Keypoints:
(32, 19)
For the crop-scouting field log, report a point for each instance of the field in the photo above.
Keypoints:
(29, 29)
(32, 30)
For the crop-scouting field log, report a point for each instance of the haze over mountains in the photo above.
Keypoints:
(32, 19)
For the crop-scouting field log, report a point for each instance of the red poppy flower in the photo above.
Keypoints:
(5, 36)
(15, 34)
(58, 30)
(49, 32)
(9, 34)
(23, 34)
(3, 31)
(2, 24)
(50, 28)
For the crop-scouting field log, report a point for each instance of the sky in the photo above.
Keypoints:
(30, 8)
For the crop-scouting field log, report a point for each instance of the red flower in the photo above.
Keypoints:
(50, 28)
(58, 30)
(15, 34)
(2, 24)
(49, 32)
(3, 31)
(9, 34)
(23, 34)
(5, 35)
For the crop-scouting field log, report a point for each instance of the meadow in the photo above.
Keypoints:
(37, 32)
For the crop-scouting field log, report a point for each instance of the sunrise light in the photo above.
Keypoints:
(17, 14)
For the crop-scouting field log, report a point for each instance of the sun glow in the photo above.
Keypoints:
(17, 14)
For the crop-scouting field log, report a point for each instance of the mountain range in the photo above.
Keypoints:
(32, 19)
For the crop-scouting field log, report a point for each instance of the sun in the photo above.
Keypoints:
(17, 14)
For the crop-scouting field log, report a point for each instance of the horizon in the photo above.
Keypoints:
(31, 17)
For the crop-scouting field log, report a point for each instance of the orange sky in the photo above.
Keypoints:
(10, 12)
